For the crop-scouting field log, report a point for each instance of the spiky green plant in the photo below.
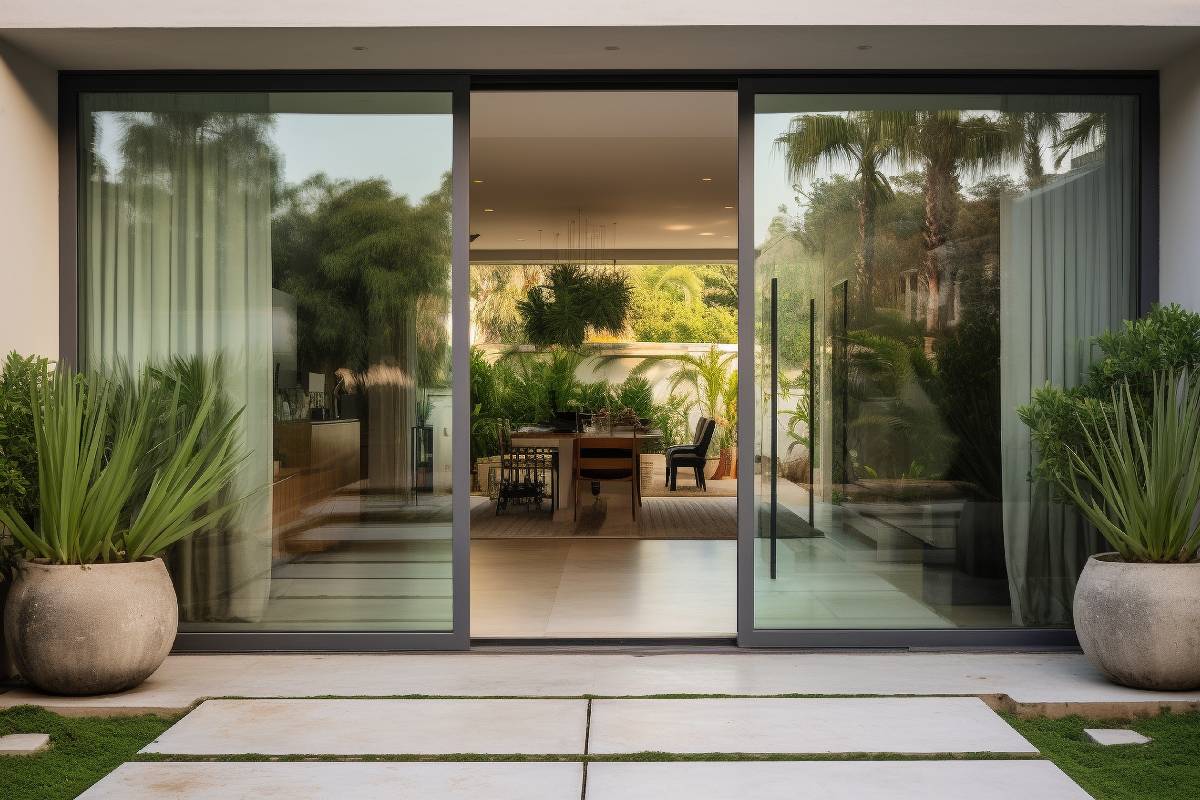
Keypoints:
(125, 469)
(1135, 475)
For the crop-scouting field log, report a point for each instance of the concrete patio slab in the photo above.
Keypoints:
(168, 780)
(825, 725)
(377, 727)
(831, 780)
(1066, 680)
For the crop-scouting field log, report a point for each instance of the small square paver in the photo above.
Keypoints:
(23, 744)
(1111, 736)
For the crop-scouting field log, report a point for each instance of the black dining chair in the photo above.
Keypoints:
(693, 456)
(676, 448)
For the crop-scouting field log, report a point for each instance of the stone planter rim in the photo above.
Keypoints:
(1112, 557)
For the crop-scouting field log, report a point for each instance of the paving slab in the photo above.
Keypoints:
(1114, 736)
(807, 725)
(170, 780)
(1025, 677)
(377, 727)
(23, 744)
(831, 780)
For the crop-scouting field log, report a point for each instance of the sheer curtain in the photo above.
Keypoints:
(1068, 271)
(175, 260)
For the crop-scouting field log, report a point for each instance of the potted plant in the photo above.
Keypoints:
(1124, 449)
(125, 469)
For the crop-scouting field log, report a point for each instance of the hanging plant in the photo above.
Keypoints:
(575, 301)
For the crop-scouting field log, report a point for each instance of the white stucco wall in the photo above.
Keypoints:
(28, 205)
(1179, 195)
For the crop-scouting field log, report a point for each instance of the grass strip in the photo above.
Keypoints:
(82, 751)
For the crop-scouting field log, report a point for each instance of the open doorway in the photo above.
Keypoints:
(604, 363)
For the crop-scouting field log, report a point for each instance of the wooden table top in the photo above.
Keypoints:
(532, 432)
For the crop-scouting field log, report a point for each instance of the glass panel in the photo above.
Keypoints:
(933, 260)
(295, 248)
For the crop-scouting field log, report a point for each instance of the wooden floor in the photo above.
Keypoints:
(659, 518)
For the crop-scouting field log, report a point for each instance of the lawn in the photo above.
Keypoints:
(82, 751)
(1166, 769)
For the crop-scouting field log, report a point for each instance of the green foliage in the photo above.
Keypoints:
(672, 418)
(124, 469)
(1136, 474)
(18, 458)
(713, 379)
(1165, 341)
(574, 302)
(487, 405)
(684, 303)
(82, 751)
(370, 271)
(635, 393)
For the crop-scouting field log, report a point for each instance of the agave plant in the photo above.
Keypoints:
(125, 468)
(1134, 473)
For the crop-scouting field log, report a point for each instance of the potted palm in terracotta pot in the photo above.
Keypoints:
(1124, 449)
(126, 468)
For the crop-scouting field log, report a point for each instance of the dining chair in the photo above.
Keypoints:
(607, 458)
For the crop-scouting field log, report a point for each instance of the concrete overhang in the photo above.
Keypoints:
(702, 47)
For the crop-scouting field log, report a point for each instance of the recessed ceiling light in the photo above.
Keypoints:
(520, 238)
(728, 208)
(477, 180)
(678, 227)
(488, 210)
(706, 233)
(707, 180)
(611, 47)
(864, 47)
(358, 48)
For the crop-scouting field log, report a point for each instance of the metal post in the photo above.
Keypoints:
(774, 421)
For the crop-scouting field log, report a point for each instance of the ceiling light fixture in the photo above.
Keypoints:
(477, 180)
(611, 47)
(706, 233)
(488, 210)
(358, 48)
(729, 208)
(706, 180)
(864, 47)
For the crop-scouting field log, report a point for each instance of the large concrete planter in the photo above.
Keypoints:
(90, 630)
(1140, 623)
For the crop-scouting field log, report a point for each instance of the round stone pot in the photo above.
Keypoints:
(90, 629)
(1140, 623)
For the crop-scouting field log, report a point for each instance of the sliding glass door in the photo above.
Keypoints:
(304, 251)
(920, 264)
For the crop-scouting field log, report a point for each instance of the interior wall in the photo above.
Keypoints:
(1179, 182)
(28, 204)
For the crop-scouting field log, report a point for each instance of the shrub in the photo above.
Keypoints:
(1123, 447)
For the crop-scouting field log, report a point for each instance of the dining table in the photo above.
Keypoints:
(564, 442)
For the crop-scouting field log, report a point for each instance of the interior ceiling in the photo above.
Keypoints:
(603, 170)
(840, 47)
